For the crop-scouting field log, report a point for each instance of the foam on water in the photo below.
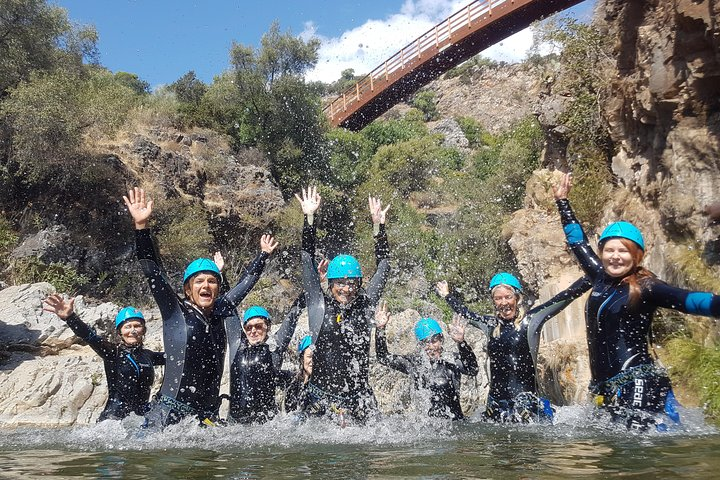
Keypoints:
(572, 422)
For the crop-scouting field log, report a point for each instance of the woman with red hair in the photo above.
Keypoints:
(619, 312)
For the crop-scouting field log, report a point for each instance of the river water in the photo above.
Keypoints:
(578, 444)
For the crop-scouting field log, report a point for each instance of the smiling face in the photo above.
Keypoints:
(433, 346)
(256, 330)
(505, 301)
(620, 257)
(307, 361)
(202, 290)
(344, 290)
(132, 332)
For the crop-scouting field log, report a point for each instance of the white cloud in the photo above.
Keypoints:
(367, 46)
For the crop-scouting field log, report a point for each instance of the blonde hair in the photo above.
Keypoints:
(519, 309)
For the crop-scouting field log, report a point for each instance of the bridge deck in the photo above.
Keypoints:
(459, 37)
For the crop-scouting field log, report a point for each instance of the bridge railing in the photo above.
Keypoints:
(427, 45)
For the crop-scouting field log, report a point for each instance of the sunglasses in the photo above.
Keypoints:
(256, 326)
(438, 337)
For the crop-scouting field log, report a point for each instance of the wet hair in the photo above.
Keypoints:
(519, 309)
(637, 274)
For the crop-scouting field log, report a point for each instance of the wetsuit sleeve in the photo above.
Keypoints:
(160, 288)
(661, 294)
(483, 322)
(224, 284)
(248, 280)
(158, 359)
(397, 362)
(314, 297)
(467, 364)
(538, 316)
(101, 346)
(382, 258)
(577, 241)
(287, 329)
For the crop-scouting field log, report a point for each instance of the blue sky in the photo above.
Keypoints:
(160, 40)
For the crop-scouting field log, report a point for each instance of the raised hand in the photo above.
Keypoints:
(381, 315)
(268, 244)
(562, 190)
(442, 289)
(457, 329)
(322, 269)
(139, 206)
(376, 210)
(219, 260)
(56, 304)
(310, 200)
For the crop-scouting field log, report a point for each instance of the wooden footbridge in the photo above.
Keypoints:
(464, 34)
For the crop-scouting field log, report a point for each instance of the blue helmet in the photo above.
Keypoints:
(623, 230)
(201, 265)
(504, 278)
(254, 312)
(344, 266)
(304, 344)
(126, 314)
(426, 328)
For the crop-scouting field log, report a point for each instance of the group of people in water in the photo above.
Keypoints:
(332, 378)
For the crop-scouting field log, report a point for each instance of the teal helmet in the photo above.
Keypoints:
(344, 266)
(304, 344)
(426, 328)
(126, 314)
(254, 312)
(504, 278)
(623, 230)
(199, 265)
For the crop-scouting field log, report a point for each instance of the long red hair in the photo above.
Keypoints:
(638, 272)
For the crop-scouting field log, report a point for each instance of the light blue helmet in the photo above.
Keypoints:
(504, 278)
(344, 266)
(126, 314)
(254, 312)
(426, 328)
(623, 230)
(200, 265)
(304, 343)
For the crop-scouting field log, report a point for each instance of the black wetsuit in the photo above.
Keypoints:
(296, 394)
(129, 371)
(440, 377)
(341, 335)
(256, 372)
(194, 344)
(513, 352)
(622, 370)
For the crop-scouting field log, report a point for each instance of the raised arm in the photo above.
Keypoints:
(287, 329)
(467, 363)
(139, 206)
(314, 298)
(542, 313)
(252, 271)
(400, 363)
(697, 303)
(376, 285)
(486, 323)
(574, 233)
(64, 309)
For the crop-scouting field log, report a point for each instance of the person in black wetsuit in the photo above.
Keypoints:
(296, 392)
(255, 370)
(341, 321)
(625, 379)
(194, 333)
(429, 371)
(513, 342)
(129, 367)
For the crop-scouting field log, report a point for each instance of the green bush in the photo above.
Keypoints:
(426, 102)
(390, 132)
(63, 277)
(697, 368)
